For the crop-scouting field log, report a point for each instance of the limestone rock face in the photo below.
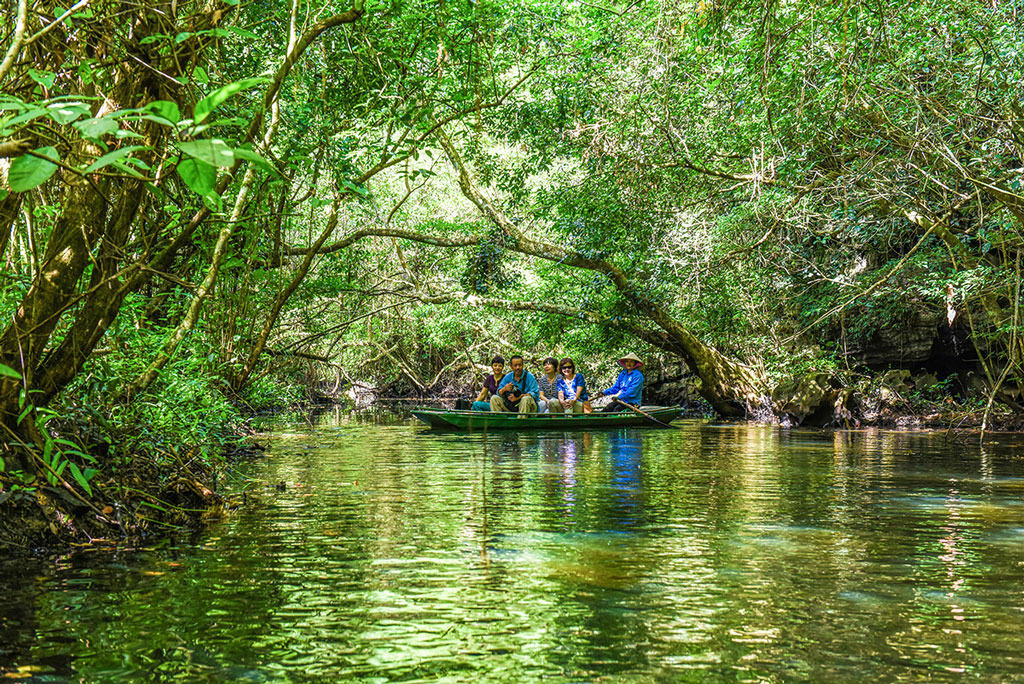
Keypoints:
(894, 385)
(908, 344)
(671, 390)
(922, 339)
(807, 400)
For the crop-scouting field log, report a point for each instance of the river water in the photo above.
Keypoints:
(705, 554)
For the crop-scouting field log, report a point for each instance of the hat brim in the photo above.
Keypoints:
(639, 364)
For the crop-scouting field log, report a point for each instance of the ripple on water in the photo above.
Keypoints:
(711, 553)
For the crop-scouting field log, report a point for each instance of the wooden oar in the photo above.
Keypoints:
(646, 415)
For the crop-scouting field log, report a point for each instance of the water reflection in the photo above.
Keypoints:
(706, 554)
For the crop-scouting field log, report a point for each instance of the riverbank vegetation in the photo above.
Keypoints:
(802, 213)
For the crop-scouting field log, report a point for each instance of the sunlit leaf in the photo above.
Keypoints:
(43, 78)
(210, 150)
(255, 158)
(165, 109)
(205, 106)
(66, 112)
(94, 129)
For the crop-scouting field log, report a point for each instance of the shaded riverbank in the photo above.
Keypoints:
(155, 495)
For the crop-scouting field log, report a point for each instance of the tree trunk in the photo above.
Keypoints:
(107, 289)
(68, 252)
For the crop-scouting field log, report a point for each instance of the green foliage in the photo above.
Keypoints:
(491, 268)
(220, 95)
(770, 177)
(275, 391)
(57, 454)
(28, 171)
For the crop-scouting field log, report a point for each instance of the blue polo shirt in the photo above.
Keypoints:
(526, 385)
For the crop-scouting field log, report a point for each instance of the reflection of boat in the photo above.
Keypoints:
(488, 420)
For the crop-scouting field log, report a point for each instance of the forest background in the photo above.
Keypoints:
(798, 212)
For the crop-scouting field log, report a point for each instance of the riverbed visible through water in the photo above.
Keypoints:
(390, 553)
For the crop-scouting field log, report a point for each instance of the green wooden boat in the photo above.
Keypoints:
(489, 420)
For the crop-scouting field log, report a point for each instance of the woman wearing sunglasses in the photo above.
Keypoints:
(572, 389)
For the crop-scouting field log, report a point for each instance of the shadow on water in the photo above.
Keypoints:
(711, 553)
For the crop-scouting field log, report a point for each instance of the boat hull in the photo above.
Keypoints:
(490, 420)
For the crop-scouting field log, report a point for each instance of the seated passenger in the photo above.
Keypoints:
(517, 391)
(490, 388)
(572, 389)
(629, 386)
(547, 383)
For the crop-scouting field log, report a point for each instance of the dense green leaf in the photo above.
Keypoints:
(28, 171)
(111, 157)
(244, 153)
(94, 129)
(165, 109)
(9, 126)
(126, 168)
(43, 78)
(66, 112)
(238, 30)
(157, 119)
(80, 478)
(213, 151)
(209, 103)
(199, 176)
(9, 372)
(8, 104)
(356, 188)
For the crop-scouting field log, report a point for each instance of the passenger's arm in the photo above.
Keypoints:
(531, 388)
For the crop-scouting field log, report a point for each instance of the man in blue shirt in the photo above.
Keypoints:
(517, 391)
(628, 387)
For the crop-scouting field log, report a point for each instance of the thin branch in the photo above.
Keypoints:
(56, 22)
(19, 34)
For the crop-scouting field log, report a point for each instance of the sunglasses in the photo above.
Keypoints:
(567, 368)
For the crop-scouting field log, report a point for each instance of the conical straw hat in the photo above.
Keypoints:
(631, 357)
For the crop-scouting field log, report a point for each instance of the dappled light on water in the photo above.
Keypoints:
(712, 553)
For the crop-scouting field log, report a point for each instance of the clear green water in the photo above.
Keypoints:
(708, 554)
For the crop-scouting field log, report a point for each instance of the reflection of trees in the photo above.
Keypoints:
(398, 554)
(18, 624)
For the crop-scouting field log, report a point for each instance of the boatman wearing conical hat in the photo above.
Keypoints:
(628, 387)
